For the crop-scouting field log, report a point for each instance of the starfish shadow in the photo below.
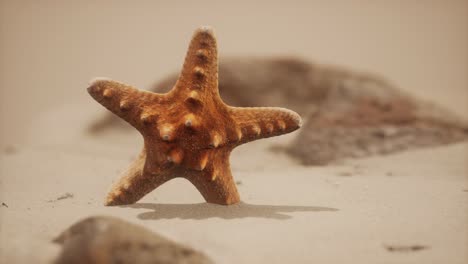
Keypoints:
(205, 210)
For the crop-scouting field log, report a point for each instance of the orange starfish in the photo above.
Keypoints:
(188, 132)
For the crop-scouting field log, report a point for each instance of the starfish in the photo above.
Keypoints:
(188, 132)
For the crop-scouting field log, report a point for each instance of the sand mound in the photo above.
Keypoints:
(347, 114)
(111, 240)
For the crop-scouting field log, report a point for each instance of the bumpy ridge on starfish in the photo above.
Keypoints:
(124, 191)
(120, 98)
(263, 122)
(188, 132)
(200, 69)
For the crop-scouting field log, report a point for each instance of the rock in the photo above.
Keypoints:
(108, 240)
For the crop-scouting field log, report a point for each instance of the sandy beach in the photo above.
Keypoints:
(289, 212)
(410, 207)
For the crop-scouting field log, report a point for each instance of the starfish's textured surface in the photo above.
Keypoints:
(188, 132)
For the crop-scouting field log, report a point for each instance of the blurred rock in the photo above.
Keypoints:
(102, 240)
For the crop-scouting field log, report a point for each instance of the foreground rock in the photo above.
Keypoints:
(110, 240)
(347, 114)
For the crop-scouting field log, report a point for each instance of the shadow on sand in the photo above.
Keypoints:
(205, 210)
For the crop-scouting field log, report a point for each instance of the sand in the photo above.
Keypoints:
(404, 208)
(289, 212)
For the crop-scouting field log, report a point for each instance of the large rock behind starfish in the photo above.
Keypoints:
(347, 114)
(108, 240)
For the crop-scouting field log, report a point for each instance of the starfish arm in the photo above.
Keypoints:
(135, 183)
(215, 182)
(261, 122)
(125, 101)
(200, 70)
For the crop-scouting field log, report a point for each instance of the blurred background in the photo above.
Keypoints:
(50, 49)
